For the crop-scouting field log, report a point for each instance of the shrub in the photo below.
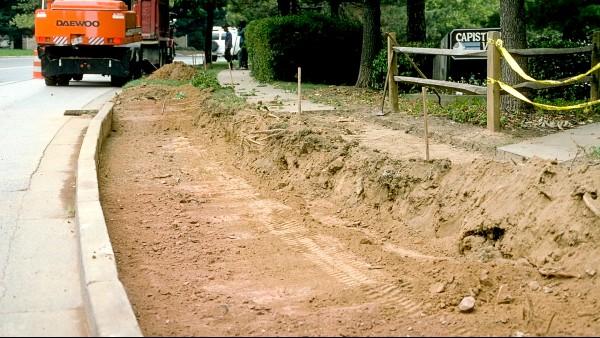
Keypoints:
(379, 70)
(405, 68)
(205, 80)
(559, 66)
(327, 49)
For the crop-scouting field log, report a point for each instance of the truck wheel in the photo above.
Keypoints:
(77, 77)
(50, 80)
(63, 80)
(117, 81)
(214, 58)
(136, 70)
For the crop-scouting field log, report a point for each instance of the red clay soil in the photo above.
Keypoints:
(234, 222)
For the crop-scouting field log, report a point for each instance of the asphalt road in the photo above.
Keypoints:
(40, 279)
(16, 69)
(40, 291)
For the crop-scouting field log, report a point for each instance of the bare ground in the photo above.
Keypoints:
(244, 222)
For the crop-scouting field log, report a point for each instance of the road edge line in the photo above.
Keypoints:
(107, 307)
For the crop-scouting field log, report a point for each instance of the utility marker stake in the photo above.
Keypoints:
(299, 90)
(231, 76)
(424, 92)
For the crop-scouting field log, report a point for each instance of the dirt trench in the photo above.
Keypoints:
(244, 222)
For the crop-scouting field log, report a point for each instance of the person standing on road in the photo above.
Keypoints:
(228, 46)
(243, 54)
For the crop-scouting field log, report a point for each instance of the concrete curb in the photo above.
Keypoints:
(107, 308)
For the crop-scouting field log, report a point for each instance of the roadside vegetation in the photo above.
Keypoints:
(178, 75)
(149, 81)
(595, 153)
(15, 52)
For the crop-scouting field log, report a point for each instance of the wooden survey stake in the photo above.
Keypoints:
(299, 90)
(424, 92)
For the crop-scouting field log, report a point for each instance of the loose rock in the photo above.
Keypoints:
(437, 287)
(590, 272)
(534, 285)
(366, 241)
(484, 278)
(467, 304)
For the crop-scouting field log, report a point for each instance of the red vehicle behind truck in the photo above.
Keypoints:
(120, 39)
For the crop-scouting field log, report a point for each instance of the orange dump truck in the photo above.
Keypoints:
(120, 39)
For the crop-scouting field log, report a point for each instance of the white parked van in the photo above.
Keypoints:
(218, 42)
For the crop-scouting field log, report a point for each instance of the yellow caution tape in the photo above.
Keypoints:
(515, 66)
(522, 97)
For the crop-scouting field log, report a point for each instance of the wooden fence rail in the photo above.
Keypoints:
(494, 58)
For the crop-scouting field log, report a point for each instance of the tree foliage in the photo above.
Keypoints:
(16, 19)
(192, 17)
(249, 10)
(574, 19)
(444, 16)
(23, 19)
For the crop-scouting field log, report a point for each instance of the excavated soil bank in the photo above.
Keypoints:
(244, 222)
(174, 71)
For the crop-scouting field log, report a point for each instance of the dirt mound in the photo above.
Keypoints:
(174, 71)
(531, 210)
(254, 223)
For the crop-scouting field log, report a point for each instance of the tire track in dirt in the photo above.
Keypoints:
(346, 268)
(396, 294)
(221, 187)
(336, 262)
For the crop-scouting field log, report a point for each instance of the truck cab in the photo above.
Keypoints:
(120, 39)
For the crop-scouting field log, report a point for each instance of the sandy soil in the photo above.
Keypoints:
(244, 222)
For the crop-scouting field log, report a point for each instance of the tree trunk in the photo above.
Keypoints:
(18, 40)
(512, 25)
(415, 28)
(371, 41)
(209, 6)
(334, 8)
(284, 7)
(295, 7)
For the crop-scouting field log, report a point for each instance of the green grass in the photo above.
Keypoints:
(472, 111)
(595, 152)
(223, 95)
(216, 67)
(579, 113)
(15, 52)
(469, 111)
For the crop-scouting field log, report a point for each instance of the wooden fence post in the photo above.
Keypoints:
(595, 91)
(392, 66)
(493, 90)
